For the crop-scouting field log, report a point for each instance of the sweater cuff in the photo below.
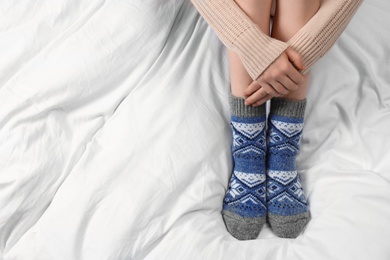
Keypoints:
(257, 50)
(320, 33)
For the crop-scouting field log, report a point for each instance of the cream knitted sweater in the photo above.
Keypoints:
(257, 50)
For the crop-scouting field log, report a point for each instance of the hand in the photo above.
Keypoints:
(261, 95)
(279, 79)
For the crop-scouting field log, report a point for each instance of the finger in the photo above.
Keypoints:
(295, 58)
(258, 95)
(270, 90)
(296, 76)
(280, 88)
(252, 88)
(262, 101)
(288, 83)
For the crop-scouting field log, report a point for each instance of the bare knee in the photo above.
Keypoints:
(290, 16)
(310, 8)
(300, 10)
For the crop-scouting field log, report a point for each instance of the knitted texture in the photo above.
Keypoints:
(285, 194)
(257, 50)
(244, 206)
(286, 201)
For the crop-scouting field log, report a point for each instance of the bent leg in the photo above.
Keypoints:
(287, 206)
(290, 16)
(244, 205)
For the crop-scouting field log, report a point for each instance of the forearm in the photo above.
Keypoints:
(255, 10)
(321, 32)
(238, 33)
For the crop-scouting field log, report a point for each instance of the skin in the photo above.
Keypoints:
(282, 78)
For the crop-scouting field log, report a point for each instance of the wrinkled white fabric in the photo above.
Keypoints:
(115, 137)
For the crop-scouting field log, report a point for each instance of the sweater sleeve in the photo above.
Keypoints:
(238, 33)
(320, 33)
(257, 50)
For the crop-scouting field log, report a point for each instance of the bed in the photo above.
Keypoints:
(115, 137)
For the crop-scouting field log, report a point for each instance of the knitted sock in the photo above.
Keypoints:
(287, 206)
(244, 206)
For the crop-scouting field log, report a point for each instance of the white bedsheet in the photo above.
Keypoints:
(115, 137)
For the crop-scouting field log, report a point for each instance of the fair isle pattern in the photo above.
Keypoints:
(285, 195)
(284, 177)
(250, 130)
(250, 179)
(246, 195)
(288, 129)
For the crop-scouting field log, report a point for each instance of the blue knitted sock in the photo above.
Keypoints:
(244, 206)
(287, 206)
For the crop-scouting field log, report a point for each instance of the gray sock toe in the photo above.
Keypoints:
(288, 226)
(243, 228)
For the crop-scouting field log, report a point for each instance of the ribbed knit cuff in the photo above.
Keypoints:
(289, 108)
(320, 33)
(239, 109)
(257, 50)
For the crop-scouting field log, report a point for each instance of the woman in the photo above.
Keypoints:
(270, 64)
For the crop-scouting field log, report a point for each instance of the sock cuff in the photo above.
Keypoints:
(239, 109)
(288, 108)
